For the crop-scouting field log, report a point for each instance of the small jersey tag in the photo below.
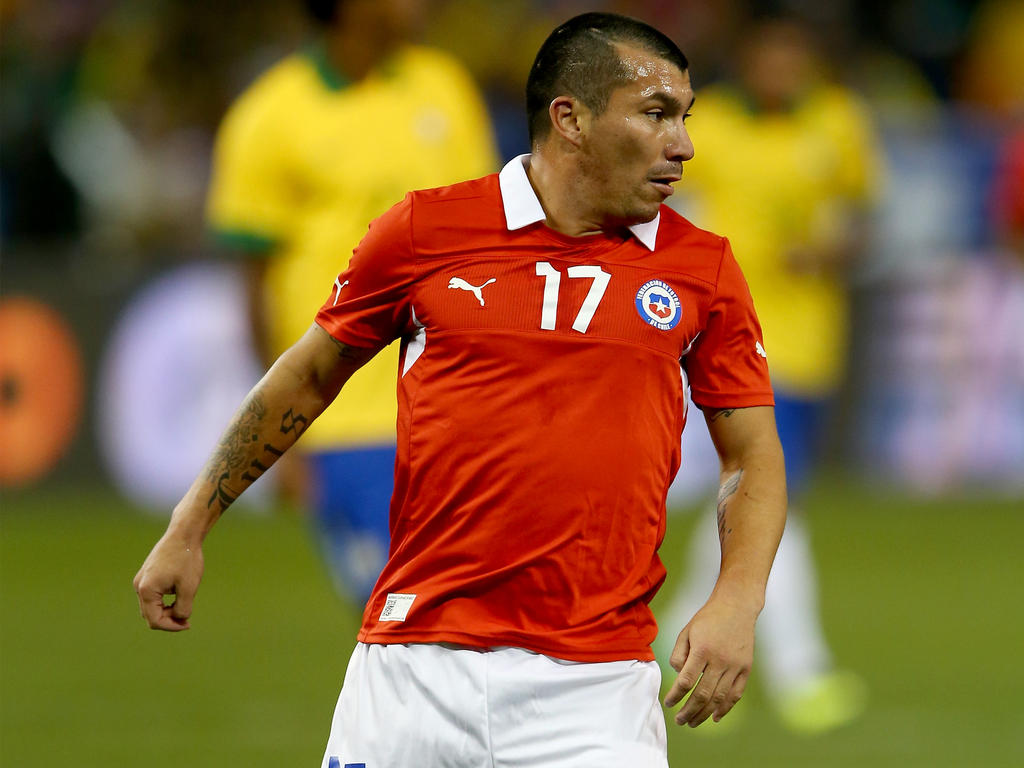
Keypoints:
(396, 607)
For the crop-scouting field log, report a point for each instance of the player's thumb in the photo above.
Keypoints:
(181, 609)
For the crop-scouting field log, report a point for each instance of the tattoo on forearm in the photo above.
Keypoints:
(222, 494)
(236, 449)
(725, 492)
(296, 423)
(230, 452)
(724, 412)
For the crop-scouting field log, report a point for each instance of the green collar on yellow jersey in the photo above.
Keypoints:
(332, 77)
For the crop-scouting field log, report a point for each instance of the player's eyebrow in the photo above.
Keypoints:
(670, 102)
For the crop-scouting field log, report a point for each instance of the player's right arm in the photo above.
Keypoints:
(714, 652)
(296, 389)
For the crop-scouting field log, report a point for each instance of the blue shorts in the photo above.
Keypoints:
(800, 422)
(350, 494)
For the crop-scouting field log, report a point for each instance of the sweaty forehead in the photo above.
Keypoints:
(648, 73)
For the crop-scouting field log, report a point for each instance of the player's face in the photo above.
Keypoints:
(635, 149)
(777, 65)
(401, 19)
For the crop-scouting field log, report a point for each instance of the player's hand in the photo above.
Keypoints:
(713, 655)
(173, 567)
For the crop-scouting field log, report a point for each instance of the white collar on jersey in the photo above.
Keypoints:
(522, 207)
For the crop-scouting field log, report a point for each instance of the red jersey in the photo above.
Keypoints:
(540, 406)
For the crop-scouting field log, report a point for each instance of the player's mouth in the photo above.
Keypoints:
(664, 183)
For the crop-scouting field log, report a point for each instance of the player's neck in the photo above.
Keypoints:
(560, 196)
(355, 53)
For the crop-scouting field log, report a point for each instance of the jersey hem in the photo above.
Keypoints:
(360, 343)
(727, 400)
(371, 637)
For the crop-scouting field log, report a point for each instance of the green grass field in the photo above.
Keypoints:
(924, 598)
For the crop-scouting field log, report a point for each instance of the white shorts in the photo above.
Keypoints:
(438, 706)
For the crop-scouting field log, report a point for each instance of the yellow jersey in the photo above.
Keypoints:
(305, 160)
(774, 181)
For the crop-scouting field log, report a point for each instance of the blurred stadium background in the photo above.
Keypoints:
(109, 288)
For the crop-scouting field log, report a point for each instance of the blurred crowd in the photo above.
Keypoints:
(109, 109)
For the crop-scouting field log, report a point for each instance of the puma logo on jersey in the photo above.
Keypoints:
(760, 350)
(339, 285)
(458, 282)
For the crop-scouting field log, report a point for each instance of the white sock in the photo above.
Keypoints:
(792, 643)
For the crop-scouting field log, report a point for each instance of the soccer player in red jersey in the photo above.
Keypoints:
(551, 316)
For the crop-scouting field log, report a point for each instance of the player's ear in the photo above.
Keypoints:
(568, 118)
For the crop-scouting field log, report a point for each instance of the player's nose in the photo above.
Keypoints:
(679, 148)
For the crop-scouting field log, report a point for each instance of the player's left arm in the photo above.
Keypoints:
(714, 652)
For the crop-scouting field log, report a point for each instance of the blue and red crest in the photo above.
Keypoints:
(658, 305)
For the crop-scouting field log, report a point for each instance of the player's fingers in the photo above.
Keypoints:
(150, 602)
(735, 694)
(718, 700)
(702, 700)
(171, 623)
(181, 609)
(167, 621)
(680, 687)
(687, 678)
(156, 614)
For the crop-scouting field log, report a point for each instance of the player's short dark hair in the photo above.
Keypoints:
(580, 59)
(323, 11)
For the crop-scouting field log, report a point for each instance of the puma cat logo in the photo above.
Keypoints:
(458, 282)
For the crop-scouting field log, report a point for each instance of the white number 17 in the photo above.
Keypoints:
(552, 279)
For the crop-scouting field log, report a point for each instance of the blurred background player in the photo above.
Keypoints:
(323, 142)
(787, 165)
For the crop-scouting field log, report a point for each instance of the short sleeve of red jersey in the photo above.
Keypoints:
(368, 305)
(726, 365)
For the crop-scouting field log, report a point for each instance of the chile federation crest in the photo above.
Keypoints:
(658, 305)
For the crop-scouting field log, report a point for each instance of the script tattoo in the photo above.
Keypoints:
(724, 412)
(236, 450)
(296, 423)
(726, 492)
(257, 467)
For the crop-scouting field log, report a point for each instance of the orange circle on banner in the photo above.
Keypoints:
(40, 389)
